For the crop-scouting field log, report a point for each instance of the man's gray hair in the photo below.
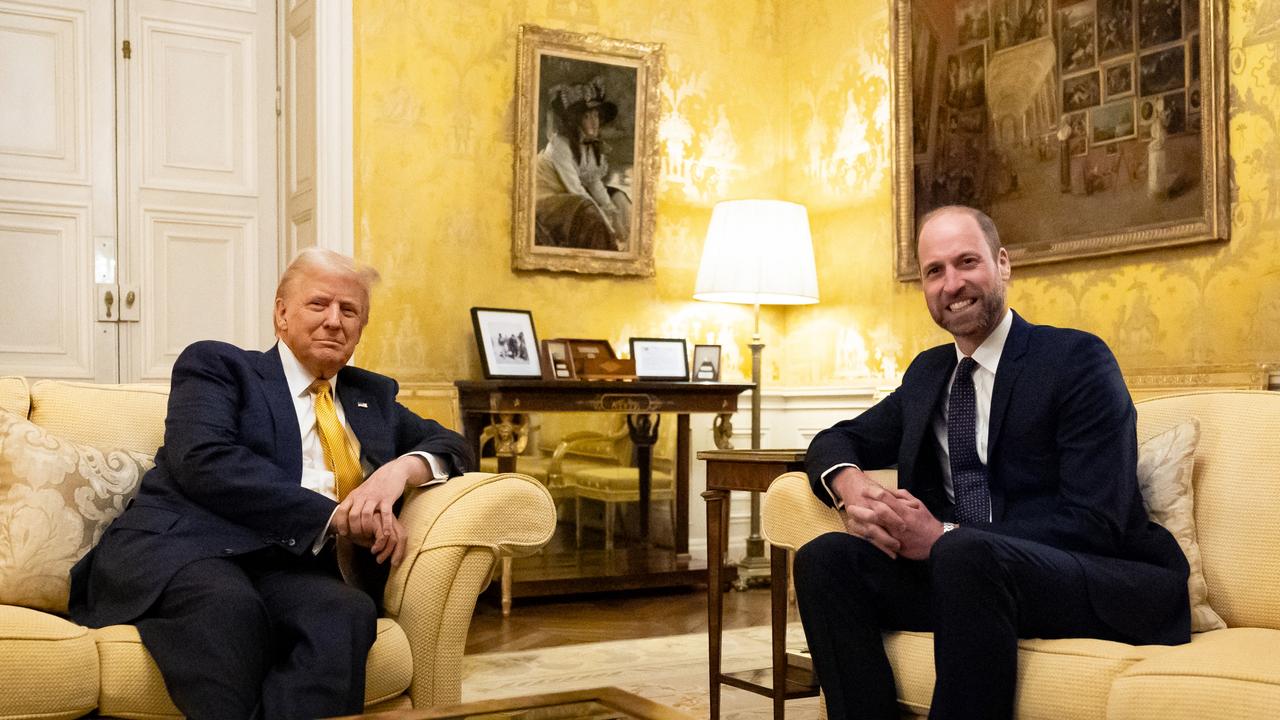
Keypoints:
(985, 224)
(315, 258)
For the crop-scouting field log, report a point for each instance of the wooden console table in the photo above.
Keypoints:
(503, 403)
(749, 470)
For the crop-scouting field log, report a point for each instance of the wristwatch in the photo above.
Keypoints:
(949, 526)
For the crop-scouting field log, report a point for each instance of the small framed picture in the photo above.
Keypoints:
(557, 361)
(660, 358)
(508, 345)
(706, 363)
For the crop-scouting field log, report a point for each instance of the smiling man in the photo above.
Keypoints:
(274, 465)
(1017, 512)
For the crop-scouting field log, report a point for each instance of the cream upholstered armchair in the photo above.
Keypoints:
(70, 456)
(1227, 507)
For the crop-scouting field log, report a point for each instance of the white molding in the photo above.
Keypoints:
(335, 206)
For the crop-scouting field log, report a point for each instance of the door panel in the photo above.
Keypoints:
(202, 132)
(300, 127)
(57, 189)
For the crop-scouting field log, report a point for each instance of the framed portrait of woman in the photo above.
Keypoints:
(586, 156)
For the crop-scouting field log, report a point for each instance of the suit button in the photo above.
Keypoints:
(227, 551)
(292, 542)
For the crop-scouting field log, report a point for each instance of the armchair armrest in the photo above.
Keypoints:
(457, 531)
(791, 516)
(577, 439)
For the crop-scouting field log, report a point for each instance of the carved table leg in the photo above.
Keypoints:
(717, 510)
(644, 434)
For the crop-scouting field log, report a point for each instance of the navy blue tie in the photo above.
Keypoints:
(968, 474)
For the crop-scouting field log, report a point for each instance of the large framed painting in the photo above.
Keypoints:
(586, 160)
(1082, 127)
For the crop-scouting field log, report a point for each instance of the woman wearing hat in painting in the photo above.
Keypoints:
(574, 206)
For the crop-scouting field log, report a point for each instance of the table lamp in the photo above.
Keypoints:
(758, 252)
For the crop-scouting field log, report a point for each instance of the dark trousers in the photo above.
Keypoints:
(978, 593)
(263, 635)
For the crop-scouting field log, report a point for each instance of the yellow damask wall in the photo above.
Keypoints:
(780, 98)
(434, 105)
(1212, 304)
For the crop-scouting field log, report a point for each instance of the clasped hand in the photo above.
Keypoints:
(895, 521)
(367, 516)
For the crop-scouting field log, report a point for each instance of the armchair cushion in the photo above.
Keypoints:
(56, 499)
(48, 666)
(1056, 678)
(122, 416)
(15, 396)
(132, 686)
(1229, 673)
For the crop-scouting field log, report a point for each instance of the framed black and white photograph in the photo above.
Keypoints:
(508, 344)
(660, 358)
(557, 361)
(706, 363)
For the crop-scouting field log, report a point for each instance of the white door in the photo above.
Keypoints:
(198, 200)
(149, 179)
(57, 189)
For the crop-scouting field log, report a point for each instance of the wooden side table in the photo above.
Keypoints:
(749, 470)
(506, 403)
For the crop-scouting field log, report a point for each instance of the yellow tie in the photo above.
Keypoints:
(333, 439)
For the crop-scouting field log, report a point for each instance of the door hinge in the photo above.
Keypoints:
(126, 49)
(277, 101)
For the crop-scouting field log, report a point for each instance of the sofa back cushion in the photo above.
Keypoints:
(15, 396)
(129, 417)
(1237, 496)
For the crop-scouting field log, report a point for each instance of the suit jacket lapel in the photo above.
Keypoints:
(1006, 375)
(918, 426)
(362, 411)
(285, 417)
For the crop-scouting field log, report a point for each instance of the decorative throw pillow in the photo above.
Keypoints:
(1165, 465)
(56, 499)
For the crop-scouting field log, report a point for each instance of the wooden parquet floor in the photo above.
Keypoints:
(547, 622)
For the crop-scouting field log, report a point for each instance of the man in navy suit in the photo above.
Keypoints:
(225, 560)
(1017, 512)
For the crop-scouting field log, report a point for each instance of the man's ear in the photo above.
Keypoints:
(279, 315)
(1002, 261)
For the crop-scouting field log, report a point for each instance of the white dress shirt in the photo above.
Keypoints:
(987, 358)
(315, 476)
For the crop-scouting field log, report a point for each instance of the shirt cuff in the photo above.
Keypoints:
(836, 502)
(323, 537)
(439, 469)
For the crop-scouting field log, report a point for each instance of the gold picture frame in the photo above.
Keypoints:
(1019, 121)
(585, 188)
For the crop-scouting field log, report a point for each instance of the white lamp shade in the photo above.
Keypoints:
(758, 251)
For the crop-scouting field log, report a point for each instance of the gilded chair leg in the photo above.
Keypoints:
(506, 586)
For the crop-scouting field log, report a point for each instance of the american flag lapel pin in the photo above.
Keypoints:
(362, 405)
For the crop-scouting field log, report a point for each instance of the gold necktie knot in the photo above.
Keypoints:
(338, 454)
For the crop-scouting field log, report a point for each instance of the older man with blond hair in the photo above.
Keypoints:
(274, 465)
